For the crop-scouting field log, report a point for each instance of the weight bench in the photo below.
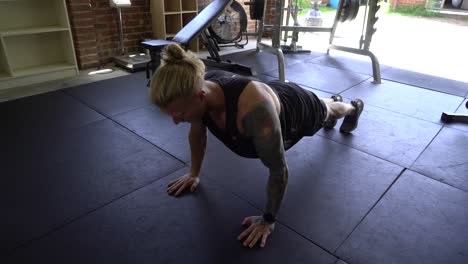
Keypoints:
(198, 26)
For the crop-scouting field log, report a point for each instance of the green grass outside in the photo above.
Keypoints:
(417, 10)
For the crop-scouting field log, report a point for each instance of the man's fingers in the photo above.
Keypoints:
(256, 238)
(264, 238)
(181, 188)
(246, 232)
(172, 182)
(251, 236)
(173, 186)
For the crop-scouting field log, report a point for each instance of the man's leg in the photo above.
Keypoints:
(337, 110)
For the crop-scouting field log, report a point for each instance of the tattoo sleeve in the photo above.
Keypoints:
(263, 125)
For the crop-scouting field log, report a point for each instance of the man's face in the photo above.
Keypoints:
(186, 109)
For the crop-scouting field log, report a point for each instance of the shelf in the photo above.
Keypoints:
(172, 6)
(173, 23)
(32, 30)
(39, 49)
(40, 69)
(32, 13)
(187, 17)
(189, 5)
(170, 16)
(4, 75)
(36, 44)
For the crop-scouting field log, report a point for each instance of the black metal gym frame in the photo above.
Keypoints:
(372, 6)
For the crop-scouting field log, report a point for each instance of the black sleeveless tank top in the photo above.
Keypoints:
(302, 112)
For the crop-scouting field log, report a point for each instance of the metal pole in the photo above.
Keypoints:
(122, 50)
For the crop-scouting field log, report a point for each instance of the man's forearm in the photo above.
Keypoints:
(197, 149)
(277, 183)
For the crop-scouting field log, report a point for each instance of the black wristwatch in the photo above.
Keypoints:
(269, 218)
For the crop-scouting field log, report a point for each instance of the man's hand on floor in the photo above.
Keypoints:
(257, 228)
(179, 185)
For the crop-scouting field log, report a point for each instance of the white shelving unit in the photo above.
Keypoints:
(170, 16)
(36, 44)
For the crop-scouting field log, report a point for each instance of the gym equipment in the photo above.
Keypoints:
(230, 26)
(131, 62)
(453, 117)
(256, 9)
(347, 11)
(198, 26)
(292, 11)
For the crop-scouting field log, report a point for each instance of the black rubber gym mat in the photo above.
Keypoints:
(331, 186)
(327, 79)
(148, 226)
(42, 115)
(427, 81)
(158, 128)
(114, 96)
(388, 135)
(405, 99)
(358, 64)
(419, 220)
(264, 61)
(66, 176)
(446, 159)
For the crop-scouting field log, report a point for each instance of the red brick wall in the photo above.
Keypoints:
(397, 3)
(95, 29)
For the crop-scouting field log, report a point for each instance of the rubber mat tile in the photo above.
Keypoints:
(462, 109)
(339, 261)
(419, 220)
(114, 96)
(158, 128)
(446, 158)
(405, 99)
(358, 64)
(262, 62)
(149, 226)
(85, 169)
(331, 186)
(388, 135)
(322, 78)
(44, 114)
(427, 81)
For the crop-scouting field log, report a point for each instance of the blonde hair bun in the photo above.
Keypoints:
(173, 53)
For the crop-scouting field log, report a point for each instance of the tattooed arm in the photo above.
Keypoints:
(263, 125)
